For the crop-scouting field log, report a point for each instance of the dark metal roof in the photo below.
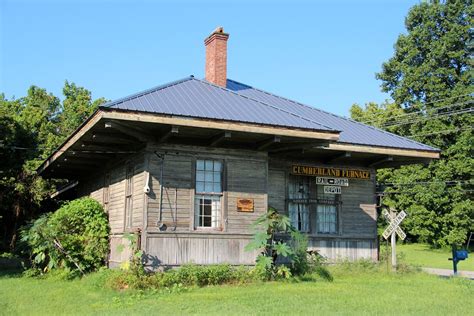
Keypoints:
(191, 97)
(352, 132)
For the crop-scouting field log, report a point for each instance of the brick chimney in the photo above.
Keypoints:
(216, 57)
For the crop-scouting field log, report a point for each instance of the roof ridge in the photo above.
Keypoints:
(147, 91)
(264, 103)
(335, 115)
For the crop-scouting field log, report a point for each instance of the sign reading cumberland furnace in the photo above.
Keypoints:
(330, 172)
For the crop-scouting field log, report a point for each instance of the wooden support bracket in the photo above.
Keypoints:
(172, 132)
(218, 139)
(134, 132)
(345, 154)
(381, 161)
(268, 142)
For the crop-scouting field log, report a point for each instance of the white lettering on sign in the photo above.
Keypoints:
(332, 190)
(343, 182)
(394, 226)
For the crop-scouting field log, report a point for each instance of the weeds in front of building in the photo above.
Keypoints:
(73, 241)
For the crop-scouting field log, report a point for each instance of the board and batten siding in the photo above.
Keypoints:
(176, 200)
(95, 187)
(357, 218)
(171, 237)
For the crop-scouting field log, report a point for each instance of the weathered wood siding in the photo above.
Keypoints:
(246, 179)
(95, 186)
(358, 212)
(120, 250)
(177, 241)
(277, 189)
(177, 188)
(113, 177)
(245, 176)
(169, 236)
(344, 248)
(357, 228)
(171, 249)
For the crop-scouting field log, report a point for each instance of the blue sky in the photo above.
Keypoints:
(322, 53)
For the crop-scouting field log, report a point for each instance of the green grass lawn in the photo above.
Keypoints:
(352, 292)
(424, 256)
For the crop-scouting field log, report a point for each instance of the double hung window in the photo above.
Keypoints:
(128, 196)
(326, 213)
(298, 203)
(106, 192)
(207, 200)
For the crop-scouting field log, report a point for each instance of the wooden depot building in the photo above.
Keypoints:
(192, 163)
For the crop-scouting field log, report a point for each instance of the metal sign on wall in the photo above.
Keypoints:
(332, 190)
(343, 182)
(245, 205)
(330, 172)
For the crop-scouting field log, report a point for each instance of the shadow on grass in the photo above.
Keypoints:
(320, 273)
(10, 273)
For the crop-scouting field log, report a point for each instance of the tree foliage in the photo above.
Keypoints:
(429, 78)
(75, 237)
(31, 128)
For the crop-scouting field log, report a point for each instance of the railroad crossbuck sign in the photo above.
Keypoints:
(394, 225)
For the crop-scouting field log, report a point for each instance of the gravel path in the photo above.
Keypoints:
(448, 272)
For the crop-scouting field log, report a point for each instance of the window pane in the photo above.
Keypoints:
(200, 176)
(209, 164)
(200, 165)
(207, 210)
(217, 166)
(208, 187)
(217, 176)
(208, 176)
(199, 186)
(217, 188)
(326, 218)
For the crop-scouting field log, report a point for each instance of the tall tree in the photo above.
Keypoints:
(430, 78)
(31, 128)
(77, 107)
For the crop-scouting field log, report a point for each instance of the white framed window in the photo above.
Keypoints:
(128, 196)
(298, 203)
(326, 213)
(208, 196)
(106, 192)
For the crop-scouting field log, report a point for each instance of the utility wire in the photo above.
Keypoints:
(452, 182)
(441, 100)
(412, 193)
(443, 132)
(450, 113)
(420, 111)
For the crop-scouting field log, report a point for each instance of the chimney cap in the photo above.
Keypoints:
(219, 31)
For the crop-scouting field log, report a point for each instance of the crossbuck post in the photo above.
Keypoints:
(393, 241)
(394, 229)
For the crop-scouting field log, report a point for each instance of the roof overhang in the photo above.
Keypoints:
(218, 124)
(391, 151)
(110, 134)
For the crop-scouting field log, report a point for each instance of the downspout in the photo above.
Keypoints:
(160, 210)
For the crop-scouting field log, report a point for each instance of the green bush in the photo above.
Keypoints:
(74, 238)
(187, 275)
(275, 238)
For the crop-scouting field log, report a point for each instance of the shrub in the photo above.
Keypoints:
(74, 238)
(275, 238)
(187, 275)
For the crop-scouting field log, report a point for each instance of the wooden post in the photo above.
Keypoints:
(394, 251)
(393, 241)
